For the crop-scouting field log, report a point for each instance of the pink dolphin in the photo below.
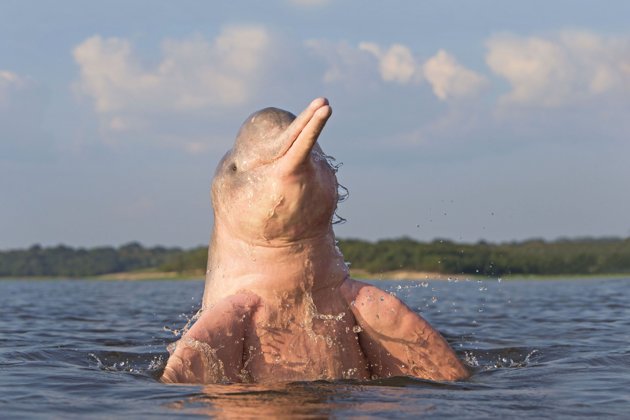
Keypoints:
(279, 303)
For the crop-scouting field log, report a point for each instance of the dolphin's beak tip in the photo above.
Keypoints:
(325, 111)
(320, 102)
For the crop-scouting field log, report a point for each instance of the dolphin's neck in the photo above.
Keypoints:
(269, 268)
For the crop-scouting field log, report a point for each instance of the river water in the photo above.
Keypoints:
(542, 349)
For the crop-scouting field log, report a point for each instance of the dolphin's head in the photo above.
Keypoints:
(276, 185)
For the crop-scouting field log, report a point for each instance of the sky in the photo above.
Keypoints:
(462, 120)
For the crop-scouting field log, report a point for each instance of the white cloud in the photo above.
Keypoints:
(193, 74)
(309, 3)
(557, 70)
(9, 83)
(396, 64)
(449, 79)
(183, 96)
(8, 78)
(347, 65)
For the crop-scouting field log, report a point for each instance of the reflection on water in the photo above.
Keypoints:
(303, 399)
(537, 349)
(282, 400)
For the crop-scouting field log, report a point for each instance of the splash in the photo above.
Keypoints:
(129, 363)
(190, 320)
(330, 317)
(501, 358)
(213, 368)
(342, 192)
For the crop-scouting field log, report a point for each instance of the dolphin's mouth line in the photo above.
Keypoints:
(301, 135)
(283, 152)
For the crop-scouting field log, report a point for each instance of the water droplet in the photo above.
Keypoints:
(329, 341)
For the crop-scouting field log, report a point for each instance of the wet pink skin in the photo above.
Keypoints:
(279, 304)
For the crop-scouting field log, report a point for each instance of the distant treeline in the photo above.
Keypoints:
(565, 256)
(536, 256)
(64, 261)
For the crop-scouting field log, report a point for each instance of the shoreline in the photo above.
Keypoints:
(152, 275)
(405, 275)
(357, 274)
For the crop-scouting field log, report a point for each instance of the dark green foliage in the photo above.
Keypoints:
(63, 261)
(536, 256)
(564, 256)
(191, 260)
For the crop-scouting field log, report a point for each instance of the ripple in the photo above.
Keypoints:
(97, 349)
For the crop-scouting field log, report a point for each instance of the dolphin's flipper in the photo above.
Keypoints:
(212, 350)
(396, 340)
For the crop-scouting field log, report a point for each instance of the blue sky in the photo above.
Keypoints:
(493, 120)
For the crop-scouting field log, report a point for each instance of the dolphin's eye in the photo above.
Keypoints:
(233, 167)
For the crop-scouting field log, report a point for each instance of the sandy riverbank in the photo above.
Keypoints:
(405, 275)
(357, 274)
(153, 275)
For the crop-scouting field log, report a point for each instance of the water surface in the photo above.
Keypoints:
(77, 348)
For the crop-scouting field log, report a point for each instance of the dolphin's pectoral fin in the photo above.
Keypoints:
(211, 351)
(396, 340)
